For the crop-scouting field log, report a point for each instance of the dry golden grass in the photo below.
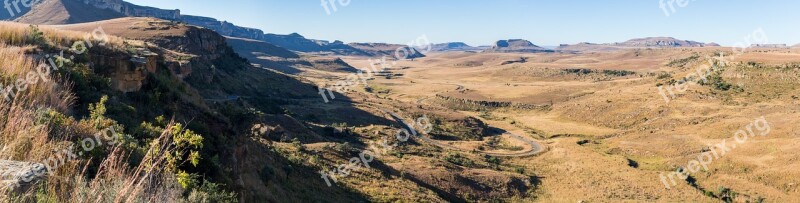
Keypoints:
(25, 137)
(18, 34)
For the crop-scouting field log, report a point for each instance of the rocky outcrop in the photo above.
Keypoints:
(128, 73)
(516, 45)
(20, 176)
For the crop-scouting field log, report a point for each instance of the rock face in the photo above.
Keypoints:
(516, 45)
(128, 73)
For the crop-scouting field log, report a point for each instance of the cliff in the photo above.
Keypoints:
(129, 9)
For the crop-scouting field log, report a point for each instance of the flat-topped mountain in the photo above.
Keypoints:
(516, 45)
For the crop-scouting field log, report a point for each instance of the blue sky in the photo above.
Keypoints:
(481, 22)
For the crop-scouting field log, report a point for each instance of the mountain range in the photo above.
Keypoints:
(48, 12)
(54, 12)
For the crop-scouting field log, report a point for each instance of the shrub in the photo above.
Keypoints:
(211, 193)
(460, 160)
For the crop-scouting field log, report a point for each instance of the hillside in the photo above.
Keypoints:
(190, 77)
(53, 12)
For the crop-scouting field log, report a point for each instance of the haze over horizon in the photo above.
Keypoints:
(477, 23)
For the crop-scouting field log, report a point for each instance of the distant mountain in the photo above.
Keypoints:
(781, 46)
(391, 50)
(516, 45)
(454, 46)
(250, 48)
(648, 42)
(297, 42)
(55, 12)
(660, 42)
(223, 27)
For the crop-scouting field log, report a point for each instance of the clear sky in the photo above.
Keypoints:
(481, 22)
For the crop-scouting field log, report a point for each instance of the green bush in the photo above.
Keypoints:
(457, 159)
(211, 193)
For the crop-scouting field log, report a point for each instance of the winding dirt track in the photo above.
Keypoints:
(535, 148)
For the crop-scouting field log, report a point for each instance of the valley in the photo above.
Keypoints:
(110, 101)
